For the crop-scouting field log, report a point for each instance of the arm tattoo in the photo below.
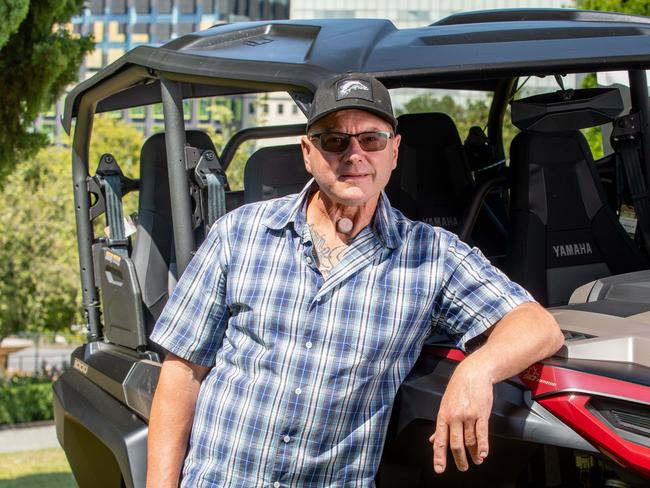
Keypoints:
(327, 258)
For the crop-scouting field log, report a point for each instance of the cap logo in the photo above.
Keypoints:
(353, 89)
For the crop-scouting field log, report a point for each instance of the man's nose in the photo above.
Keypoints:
(354, 151)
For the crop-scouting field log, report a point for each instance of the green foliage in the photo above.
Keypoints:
(38, 59)
(38, 271)
(640, 7)
(122, 140)
(25, 399)
(594, 135)
(12, 13)
(235, 172)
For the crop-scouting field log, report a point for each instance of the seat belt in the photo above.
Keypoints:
(110, 178)
(626, 140)
(207, 174)
(216, 198)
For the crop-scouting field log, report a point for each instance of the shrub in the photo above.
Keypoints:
(25, 399)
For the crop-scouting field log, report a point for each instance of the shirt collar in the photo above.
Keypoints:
(294, 210)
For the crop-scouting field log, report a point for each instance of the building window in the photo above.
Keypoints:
(162, 31)
(140, 28)
(97, 6)
(186, 6)
(164, 6)
(158, 112)
(142, 6)
(294, 109)
(280, 108)
(251, 108)
(265, 108)
(208, 6)
(204, 109)
(118, 6)
(334, 14)
(137, 113)
(184, 28)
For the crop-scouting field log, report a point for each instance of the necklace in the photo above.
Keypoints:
(344, 225)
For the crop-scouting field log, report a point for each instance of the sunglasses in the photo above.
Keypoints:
(337, 142)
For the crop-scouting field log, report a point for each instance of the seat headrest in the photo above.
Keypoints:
(154, 148)
(274, 171)
(427, 129)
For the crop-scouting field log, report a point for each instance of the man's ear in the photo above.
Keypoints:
(307, 148)
(396, 140)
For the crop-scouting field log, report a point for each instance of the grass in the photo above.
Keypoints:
(43, 468)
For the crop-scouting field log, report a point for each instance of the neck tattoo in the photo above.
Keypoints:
(344, 225)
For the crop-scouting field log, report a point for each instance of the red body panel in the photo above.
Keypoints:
(566, 393)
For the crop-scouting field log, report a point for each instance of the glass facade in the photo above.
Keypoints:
(120, 25)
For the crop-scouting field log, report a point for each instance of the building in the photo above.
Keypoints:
(120, 25)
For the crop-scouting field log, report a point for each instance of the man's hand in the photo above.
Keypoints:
(524, 336)
(462, 423)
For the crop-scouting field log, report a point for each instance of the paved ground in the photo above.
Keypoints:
(28, 438)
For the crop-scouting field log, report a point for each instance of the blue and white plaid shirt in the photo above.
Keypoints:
(304, 370)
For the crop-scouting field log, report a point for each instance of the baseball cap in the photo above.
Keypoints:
(351, 90)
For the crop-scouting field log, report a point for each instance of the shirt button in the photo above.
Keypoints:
(308, 344)
(308, 259)
(276, 484)
(286, 439)
(298, 391)
(318, 299)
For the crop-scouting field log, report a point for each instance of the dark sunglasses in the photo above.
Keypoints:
(337, 142)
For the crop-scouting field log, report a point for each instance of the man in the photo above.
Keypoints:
(298, 318)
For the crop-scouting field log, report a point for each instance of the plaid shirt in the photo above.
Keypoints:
(304, 370)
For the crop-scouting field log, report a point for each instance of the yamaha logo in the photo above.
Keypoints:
(442, 221)
(577, 249)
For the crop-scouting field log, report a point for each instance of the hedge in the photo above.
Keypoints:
(25, 399)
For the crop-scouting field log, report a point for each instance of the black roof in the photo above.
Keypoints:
(471, 50)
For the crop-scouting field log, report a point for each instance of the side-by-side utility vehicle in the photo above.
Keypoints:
(570, 224)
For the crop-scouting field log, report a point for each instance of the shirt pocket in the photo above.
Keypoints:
(395, 320)
(245, 328)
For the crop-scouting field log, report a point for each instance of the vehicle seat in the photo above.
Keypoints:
(274, 171)
(153, 253)
(432, 181)
(563, 234)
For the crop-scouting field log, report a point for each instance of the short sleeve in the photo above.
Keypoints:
(474, 294)
(195, 317)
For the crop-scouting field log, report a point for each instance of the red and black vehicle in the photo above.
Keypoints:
(573, 228)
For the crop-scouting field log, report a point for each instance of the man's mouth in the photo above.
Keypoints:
(355, 176)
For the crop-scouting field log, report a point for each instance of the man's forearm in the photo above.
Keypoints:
(524, 336)
(172, 413)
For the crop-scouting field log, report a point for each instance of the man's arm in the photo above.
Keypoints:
(172, 413)
(522, 337)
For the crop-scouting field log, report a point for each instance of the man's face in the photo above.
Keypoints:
(353, 176)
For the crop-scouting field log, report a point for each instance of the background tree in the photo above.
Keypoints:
(639, 7)
(38, 59)
(222, 113)
(39, 268)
